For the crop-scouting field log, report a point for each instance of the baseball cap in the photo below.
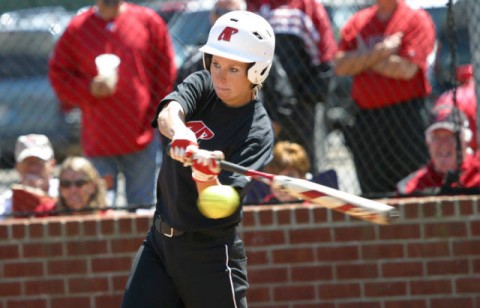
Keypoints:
(33, 145)
(447, 117)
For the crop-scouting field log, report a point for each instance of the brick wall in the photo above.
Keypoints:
(299, 256)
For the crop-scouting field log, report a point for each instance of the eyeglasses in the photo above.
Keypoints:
(76, 183)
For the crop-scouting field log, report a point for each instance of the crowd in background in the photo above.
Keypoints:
(400, 144)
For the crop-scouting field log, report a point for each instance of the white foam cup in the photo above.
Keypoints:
(107, 67)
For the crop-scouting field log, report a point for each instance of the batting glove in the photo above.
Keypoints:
(183, 147)
(206, 165)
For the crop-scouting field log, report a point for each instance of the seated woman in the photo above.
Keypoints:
(81, 189)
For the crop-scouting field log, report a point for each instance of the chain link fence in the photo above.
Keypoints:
(316, 118)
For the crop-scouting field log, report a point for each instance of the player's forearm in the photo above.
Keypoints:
(171, 119)
(354, 62)
(396, 67)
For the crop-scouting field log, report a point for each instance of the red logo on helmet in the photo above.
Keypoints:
(200, 129)
(227, 33)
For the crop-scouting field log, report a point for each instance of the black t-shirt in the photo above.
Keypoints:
(243, 134)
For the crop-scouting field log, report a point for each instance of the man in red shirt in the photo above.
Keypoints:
(465, 99)
(116, 132)
(445, 173)
(305, 49)
(384, 48)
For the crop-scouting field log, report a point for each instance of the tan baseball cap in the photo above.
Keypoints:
(33, 145)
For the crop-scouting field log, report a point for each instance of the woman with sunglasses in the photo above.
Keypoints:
(81, 188)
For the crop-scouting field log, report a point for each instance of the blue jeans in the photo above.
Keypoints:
(139, 169)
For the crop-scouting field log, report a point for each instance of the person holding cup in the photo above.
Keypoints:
(115, 61)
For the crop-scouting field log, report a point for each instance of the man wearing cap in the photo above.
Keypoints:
(35, 165)
(444, 173)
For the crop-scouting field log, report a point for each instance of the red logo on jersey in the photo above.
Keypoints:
(200, 129)
(227, 33)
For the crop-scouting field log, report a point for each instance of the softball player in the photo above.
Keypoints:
(188, 260)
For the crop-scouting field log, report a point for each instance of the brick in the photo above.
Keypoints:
(311, 235)
(73, 301)
(269, 275)
(431, 287)
(248, 216)
(410, 303)
(284, 216)
(42, 249)
(19, 230)
(475, 227)
(293, 256)
(10, 288)
(90, 228)
(67, 267)
(311, 273)
(428, 250)
(266, 238)
(108, 300)
(55, 228)
(73, 228)
(362, 304)
(28, 302)
(258, 294)
(302, 214)
(339, 291)
(37, 229)
(466, 247)
(4, 231)
(446, 230)
(126, 245)
(356, 271)
(23, 269)
(293, 293)
(402, 269)
(447, 267)
(382, 289)
(349, 234)
(408, 231)
(386, 251)
(338, 253)
(87, 285)
(44, 287)
(9, 251)
(119, 282)
(125, 225)
(468, 285)
(476, 266)
(449, 302)
(257, 257)
(90, 247)
(107, 226)
(143, 223)
(111, 264)
(320, 215)
(466, 207)
(411, 211)
(265, 217)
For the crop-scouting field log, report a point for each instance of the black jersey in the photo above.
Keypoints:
(244, 134)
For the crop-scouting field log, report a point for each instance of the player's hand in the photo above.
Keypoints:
(206, 165)
(184, 145)
(99, 87)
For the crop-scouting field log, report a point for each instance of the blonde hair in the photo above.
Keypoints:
(83, 165)
(289, 155)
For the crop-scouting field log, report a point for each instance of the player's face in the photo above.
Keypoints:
(230, 81)
(442, 147)
(76, 189)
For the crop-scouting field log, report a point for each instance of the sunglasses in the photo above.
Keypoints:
(76, 183)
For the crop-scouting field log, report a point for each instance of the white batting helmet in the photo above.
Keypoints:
(245, 37)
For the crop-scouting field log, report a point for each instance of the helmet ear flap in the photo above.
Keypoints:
(207, 61)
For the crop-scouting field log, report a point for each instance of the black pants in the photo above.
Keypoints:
(387, 144)
(191, 270)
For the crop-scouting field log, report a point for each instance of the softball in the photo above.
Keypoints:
(218, 201)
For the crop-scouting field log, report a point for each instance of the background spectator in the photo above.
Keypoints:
(385, 48)
(446, 172)
(35, 164)
(305, 47)
(465, 99)
(116, 132)
(289, 159)
(80, 188)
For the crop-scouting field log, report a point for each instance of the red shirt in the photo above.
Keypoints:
(372, 90)
(427, 178)
(305, 18)
(467, 103)
(119, 124)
